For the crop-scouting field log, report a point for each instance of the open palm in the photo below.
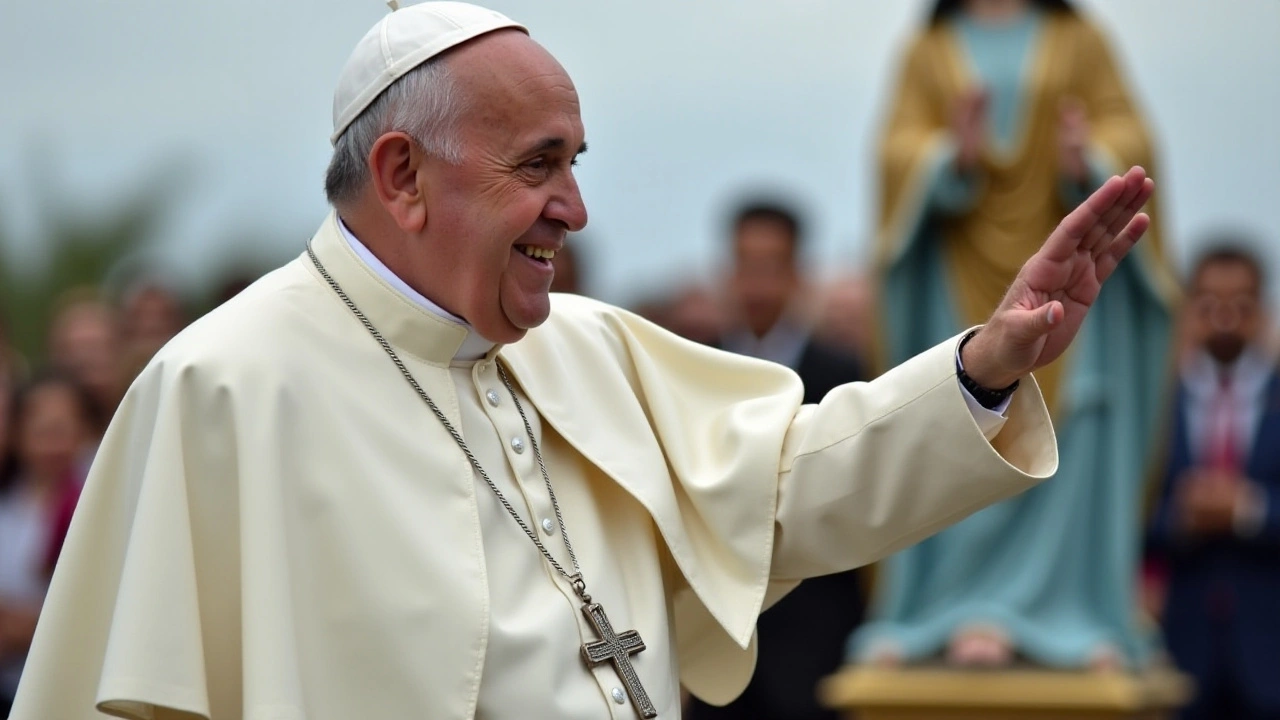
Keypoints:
(1049, 300)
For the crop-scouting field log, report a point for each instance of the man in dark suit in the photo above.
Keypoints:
(1217, 525)
(802, 638)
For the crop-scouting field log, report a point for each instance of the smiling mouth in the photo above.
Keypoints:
(536, 253)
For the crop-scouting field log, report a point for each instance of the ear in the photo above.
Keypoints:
(394, 164)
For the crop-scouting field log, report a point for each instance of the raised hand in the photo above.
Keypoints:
(1048, 301)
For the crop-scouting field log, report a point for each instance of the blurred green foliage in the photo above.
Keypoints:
(78, 249)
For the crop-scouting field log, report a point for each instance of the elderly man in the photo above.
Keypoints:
(396, 479)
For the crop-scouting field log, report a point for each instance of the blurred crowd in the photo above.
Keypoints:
(52, 415)
(1210, 533)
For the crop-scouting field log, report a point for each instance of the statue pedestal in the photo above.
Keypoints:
(867, 693)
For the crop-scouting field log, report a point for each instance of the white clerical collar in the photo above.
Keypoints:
(473, 348)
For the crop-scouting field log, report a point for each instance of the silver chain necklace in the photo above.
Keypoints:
(615, 648)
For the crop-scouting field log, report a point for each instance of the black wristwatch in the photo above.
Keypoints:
(986, 397)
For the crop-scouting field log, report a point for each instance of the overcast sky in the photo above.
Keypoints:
(685, 102)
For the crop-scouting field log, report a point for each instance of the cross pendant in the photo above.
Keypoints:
(617, 649)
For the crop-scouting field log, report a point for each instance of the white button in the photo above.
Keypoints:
(517, 444)
(548, 527)
(619, 696)
(492, 397)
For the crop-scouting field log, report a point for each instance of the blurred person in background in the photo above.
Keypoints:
(50, 429)
(86, 341)
(846, 315)
(152, 314)
(695, 313)
(767, 297)
(1005, 115)
(1217, 525)
(805, 632)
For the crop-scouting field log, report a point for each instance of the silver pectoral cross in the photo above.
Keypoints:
(617, 649)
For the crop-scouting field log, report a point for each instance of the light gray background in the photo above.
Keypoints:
(685, 102)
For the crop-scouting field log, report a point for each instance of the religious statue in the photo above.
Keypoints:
(1007, 113)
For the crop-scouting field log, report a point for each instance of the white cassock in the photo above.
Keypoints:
(277, 527)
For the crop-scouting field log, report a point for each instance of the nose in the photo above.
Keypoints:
(567, 206)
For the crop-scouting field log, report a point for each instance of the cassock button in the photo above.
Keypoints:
(619, 696)
(548, 527)
(492, 397)
(517, 444)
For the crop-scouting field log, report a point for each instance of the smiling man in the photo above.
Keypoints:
(397, 479)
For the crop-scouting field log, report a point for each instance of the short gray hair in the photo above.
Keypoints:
(424, 103)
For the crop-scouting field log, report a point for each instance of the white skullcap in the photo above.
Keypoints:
(401, 41)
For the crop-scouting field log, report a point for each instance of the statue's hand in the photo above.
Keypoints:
(1073, 138)
(1048, 301)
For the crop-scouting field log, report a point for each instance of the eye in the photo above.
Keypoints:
(538, 163)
